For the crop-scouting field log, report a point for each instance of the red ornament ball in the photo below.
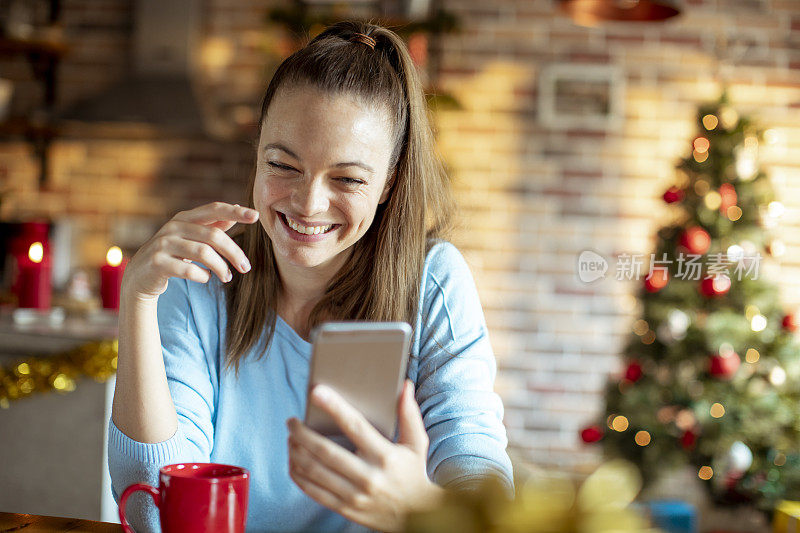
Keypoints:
(656, 280)
(591, 434)
(673, 194)
(634, 372)
(696, 240)
(789, 323)
(724, 366)
(688, 439)
(715, 286)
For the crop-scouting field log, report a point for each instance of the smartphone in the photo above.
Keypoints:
(365, 362)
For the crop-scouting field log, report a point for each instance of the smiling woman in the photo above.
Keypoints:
(352, 206)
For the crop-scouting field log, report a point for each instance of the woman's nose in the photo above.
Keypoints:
(310, 197)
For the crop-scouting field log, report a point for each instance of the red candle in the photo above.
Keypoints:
(34, 284)
(111, 277)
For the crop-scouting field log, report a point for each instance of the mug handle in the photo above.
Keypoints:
(126, 527)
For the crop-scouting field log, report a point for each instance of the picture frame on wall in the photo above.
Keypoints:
(579, 96)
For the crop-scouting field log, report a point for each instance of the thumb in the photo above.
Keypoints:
(411, 427)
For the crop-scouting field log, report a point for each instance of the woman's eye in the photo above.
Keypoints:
(280, 166)
(350, 181)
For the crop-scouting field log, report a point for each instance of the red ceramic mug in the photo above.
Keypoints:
(196, 498)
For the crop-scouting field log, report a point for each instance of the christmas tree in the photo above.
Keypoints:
(712, 369)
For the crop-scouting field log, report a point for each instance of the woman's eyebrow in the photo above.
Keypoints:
(278, 146)
(355, 164)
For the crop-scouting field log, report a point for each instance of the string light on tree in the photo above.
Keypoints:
(640, 327)
(735, 253)
(642, 438)
(705, 473)
(734, 213)
(619, 423)
(739, 457)
(678, 323)
(758, 323)
(712, 200)
(775, 209)
(728, 117)
(777, 376)
(685, 419)
(776, 248)
(674, 328)
(710, 122)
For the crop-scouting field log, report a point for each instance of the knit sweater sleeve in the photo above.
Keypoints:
(189, 367)
(455, 375)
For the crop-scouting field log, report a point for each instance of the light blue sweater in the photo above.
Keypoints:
(244, 423)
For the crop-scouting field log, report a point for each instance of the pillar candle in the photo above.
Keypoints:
(34, 282)
(111, 278)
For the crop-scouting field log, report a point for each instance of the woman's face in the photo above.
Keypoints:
(322, 169)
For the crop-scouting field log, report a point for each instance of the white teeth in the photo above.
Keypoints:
(307, 230)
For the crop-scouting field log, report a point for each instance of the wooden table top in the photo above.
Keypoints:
(31, 523)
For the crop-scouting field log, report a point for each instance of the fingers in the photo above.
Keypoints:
(329, 453)
(303, 462)
(218, 211)
(352, 423)
(219, 242)
(189, 251)
(411, 427)
(175, 267)
(324, 497)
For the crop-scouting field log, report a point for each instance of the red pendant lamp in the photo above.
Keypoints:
(594, 12)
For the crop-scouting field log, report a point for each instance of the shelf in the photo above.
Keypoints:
(53, 49)
(21, 127)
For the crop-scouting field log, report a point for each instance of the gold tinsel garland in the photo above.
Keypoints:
(97, 359)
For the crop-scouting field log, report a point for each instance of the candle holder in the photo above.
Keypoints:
(38, 317)
(103, 316)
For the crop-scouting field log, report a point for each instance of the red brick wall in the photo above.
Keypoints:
(533, 196)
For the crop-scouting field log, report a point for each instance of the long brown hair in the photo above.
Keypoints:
(381, 279)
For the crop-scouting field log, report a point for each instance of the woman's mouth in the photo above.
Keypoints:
(305, 233)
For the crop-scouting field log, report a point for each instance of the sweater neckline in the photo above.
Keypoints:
(293, 336)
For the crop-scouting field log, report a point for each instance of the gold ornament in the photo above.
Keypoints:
(546, 502)
(59, 372)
